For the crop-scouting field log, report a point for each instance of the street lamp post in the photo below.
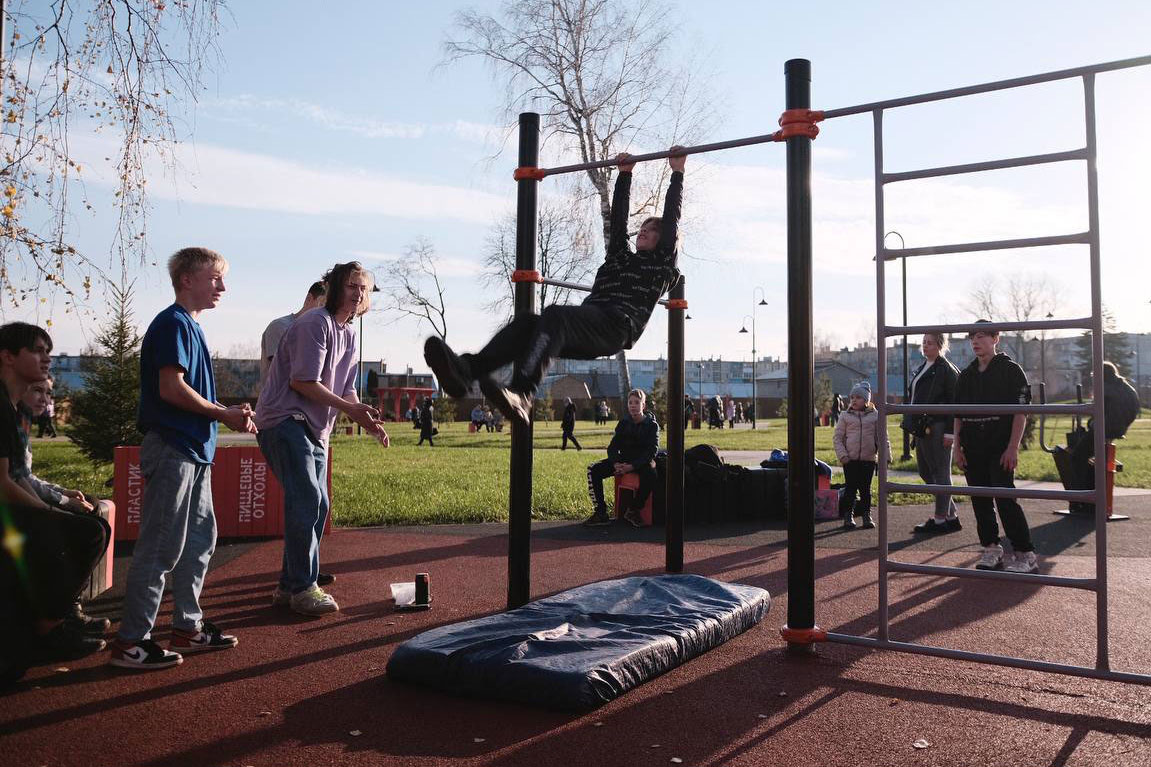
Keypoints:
(701, 392)
(754, 357)
(906, 384)
(1043, 353)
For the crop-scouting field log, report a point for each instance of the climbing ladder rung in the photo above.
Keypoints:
(1079, 238)
(1075, 323)
(977, 167)
(992, 575)
(1085, 496)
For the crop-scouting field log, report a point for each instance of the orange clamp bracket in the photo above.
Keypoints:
(798, 122)
(537, 174)
(676, 303)
(526, 275)
(803, 636)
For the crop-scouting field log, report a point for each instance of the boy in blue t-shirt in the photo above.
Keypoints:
(178, 415)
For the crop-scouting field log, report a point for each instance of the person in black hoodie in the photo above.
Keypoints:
(612, 317)
(567, 425)
(988, 451)
(933, 383)
(1121, 404)
(632, 449)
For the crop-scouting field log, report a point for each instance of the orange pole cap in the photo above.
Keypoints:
(676, 303)
(536, 174)
(803, 636)
(526, 275)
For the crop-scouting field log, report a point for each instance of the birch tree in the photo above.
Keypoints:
(599, 74)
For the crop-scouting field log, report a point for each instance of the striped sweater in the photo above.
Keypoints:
(630, 283)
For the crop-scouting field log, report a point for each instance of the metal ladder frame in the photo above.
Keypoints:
(1094, 323)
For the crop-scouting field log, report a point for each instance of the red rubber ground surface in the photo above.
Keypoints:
(312, 692)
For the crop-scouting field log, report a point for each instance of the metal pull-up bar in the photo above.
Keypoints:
(793, 122)
(533, 276)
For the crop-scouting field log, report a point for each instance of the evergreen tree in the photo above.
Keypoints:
(1116, 349)
(104, 413)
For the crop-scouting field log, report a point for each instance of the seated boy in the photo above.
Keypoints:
(612, 317)
(632, 449)
(32, 405)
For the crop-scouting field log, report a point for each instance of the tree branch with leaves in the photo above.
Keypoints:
(120, 69)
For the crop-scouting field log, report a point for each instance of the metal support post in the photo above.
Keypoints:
(520, 491)
(673, 527)
(800, 434)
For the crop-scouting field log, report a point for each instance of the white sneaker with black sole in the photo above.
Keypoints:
(145, 655)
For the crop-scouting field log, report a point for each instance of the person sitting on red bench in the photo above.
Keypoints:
(632, 449)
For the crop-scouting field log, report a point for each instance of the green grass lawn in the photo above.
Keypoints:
(464, 477)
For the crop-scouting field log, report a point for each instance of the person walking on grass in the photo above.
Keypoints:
(988, 452)
(567, 425)
(632, 450)
(178, 416)
(612, 318)
(311, 381)
(857, 446)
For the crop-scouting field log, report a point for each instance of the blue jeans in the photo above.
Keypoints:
(301, 465)
(177, 538)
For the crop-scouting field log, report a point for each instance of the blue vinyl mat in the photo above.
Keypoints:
(584, 647)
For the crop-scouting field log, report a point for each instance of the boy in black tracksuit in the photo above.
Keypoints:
(632, 449)
(567, 425)
(988, 451)
(626, 289)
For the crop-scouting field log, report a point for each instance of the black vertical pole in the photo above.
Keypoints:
(673, 541)
(800, 431)
(520, 491)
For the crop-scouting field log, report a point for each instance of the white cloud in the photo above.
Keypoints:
(216, 175)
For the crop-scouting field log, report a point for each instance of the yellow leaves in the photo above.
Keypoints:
(10, 191)
(8, 211)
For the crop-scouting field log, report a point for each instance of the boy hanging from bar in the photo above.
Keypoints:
(613, 316)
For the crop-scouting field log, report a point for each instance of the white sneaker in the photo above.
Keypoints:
(314, 601)
(1024, 562)
(991, 558)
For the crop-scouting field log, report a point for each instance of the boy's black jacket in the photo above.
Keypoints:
(630, 284)
(635, 443)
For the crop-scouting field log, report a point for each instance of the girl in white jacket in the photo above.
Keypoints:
(857, 448)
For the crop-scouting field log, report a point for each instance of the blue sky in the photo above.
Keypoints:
(331, 131)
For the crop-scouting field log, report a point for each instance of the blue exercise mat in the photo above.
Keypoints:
(585, 647)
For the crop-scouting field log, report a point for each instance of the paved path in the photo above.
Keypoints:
(753, 458)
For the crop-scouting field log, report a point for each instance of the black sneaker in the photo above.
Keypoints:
(209, 637)
(954, 525)
(324, 579)
(65, 642)
(452, 372)
(85, 623)
(633, 518)
(145, 655)
(598, 519)
(932, 527)
(515, 406)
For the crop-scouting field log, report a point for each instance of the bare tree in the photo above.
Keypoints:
(412, 287)
(1024, 297)
(596, 71)
(564, 249)
(116, 68)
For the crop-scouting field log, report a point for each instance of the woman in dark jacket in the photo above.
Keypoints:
(933, 384)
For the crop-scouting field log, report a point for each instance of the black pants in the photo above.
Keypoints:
(58, 553)
(570, 435)
(857, 482)
(984, 470)
(575, 332)
(601, 470)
